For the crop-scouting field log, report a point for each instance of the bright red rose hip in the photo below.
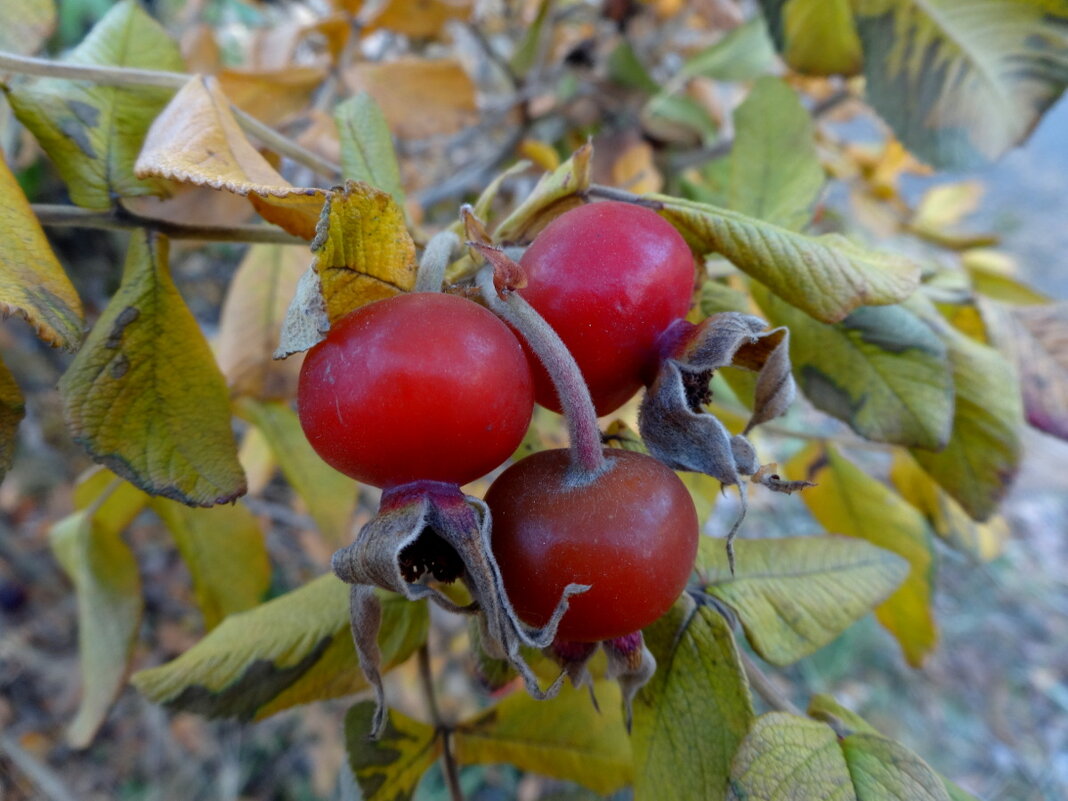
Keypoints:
(609, 278)
(423, 386)
(631, 534)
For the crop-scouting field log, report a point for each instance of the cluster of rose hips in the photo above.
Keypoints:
(427, 391)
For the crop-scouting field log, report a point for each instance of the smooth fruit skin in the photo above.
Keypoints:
(422, 386)
(631, 534)
(609, 278)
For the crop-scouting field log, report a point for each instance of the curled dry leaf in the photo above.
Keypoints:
(431, 532)
(305, 323)
(555, 193)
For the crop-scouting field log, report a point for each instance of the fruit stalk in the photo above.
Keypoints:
(436, 258)
(587, 455)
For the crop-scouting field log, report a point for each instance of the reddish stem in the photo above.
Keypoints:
(587, 452)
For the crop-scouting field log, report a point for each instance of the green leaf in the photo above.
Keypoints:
(775, 174)
(94, 132)
(816, 37)
(329, 495)
(882, 370)
(691, 716)
(678, 117)
(825, 708)
(743, 54)
(961, 83)
(224, 550)
(564, 738)
(555, 193)
(89, 547)
(367, 152)
(32, 282)
(627, 70)
(526, 53)
(144, 395)
(389, 768)
(291, 650)
(25, 24)
(982, 457)
(795, 595)
(826, 276)
(788, 757)
(847, 501)
(12, 411)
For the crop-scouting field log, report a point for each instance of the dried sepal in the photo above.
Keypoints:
(507, 274)
(305, 323)
(428, 532)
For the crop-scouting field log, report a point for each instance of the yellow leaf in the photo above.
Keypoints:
(993, 274)
(144, 395)
(26, 24)
(257, 460)
(820, 38)
(197, 140)
(32, 282)
(418, 18)
(847, 501)
(11, 412)
(91, 131)
(540, 153)
(224, 551)
(634, 170)
(555, 193)
(251, 322)
(419, 97)
(363, 251)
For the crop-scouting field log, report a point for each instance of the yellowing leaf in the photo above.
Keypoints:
(251, 322)
(962, 83)
(978, 464)
(89, 546)
(367, 152)
(91, 131)
(363, 251)
(847, 501)
(635, 170)
(816, 37)
(564, 738)
(11, 412)
(296, 647)
(418, 18)
(419, 97)
(774, 171)
(390, 767)
(788, 757)
(555, 193)
(26, 24)
(795, 595)
(882, 370)
(826, 276)
(329, 495)
(984, 541)
(144, 396)
(32, 282)
(197, 140)
(223, 549)
(993, 274)
(691, 716)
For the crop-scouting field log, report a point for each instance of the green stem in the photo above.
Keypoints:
(118, 219)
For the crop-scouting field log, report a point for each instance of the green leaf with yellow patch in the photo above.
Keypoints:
(694, 712)
(389, 768)
(92, 131)
(291, 650)
(555, 193)
(563, 738)
(144, 395)
(981, 459)
(983, 541)
(88, 545)
(224, 550)
(775, 174)
(12, 410)
(367, 152)
(363, 251)
(815, 37)
(826, 276)
(32, 282)
(795, 595)
(846, 500)
(330, 496)
(882, 370)
(789, 757)
(961, 83)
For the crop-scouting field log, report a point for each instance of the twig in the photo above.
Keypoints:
(765, 688)
(127, 76)
(448, 759)
(119, 219)
(41, 775)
